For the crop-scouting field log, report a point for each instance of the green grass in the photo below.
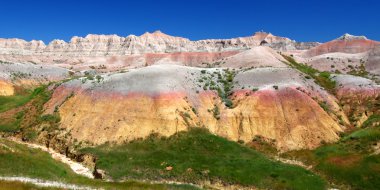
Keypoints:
(12, 126)
(221, 82)
(7, 185)
(9, 102)
(349, 162)
(368, 135)
(23, 161)
(197, 156)
(39, 95)
(43, 166)
(19, 160)
(371, 120)
(321, 78)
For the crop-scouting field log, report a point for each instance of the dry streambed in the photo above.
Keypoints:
(75, 166)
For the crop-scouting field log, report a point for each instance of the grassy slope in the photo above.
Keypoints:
(19, 160)
(8, 102)
(40, 94)
(198, 155)
(14, 163)
(20, 98)
(35, 163)
(349, 162)
(321, 78)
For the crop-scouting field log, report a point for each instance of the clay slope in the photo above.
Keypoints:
(27, 75)
(6, 88)
(344, 44)
(372, 64)
(259, 56)
(344, 54)
(166, 99)
(359, 97)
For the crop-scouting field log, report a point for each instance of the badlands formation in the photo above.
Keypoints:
(125, 88)
(345, 54)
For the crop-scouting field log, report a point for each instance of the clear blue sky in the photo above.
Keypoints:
(302, 20)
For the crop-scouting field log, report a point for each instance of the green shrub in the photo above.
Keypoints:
(216, 112)
(99, 78)
(53, 118)
(324, 106)
(223, 86)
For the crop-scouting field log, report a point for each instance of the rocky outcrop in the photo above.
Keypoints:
(19, 46)
(157, 42)
(349, 37)
(344, 44)
(346, 54)
(289, 117)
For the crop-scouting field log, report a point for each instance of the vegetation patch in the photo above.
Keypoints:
(216, 112)
(54, 118)
(221, 82)
(358, 71)
(9, 102)
(19, 160)
(372, 120)
(19, 75)
(197, 156)
(13, 125)
(321, 78)
(26, 118)
(5, 62)
(263, 145)
(14, 121)
(324, 106)
(351, 163)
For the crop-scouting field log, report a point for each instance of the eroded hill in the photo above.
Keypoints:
(110, 90)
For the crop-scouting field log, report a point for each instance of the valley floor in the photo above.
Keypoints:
(352, 163)
(27, 167)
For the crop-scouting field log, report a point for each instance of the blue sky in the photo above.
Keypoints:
(311, 20)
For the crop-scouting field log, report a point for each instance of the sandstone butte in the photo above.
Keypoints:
(156, 83)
